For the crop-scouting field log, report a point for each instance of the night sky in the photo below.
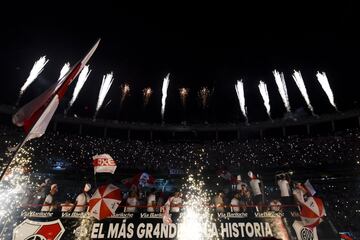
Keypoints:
(200, 45)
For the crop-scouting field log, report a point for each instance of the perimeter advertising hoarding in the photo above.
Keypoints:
(150, 226)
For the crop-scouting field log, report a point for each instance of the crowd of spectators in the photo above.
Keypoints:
(339, 151)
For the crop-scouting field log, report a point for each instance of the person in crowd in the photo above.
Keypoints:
(299, 193)
(255, 185)
(239, 183)
(160, 202)
(275, 205)
(151, 200)
(219, 202)
(175, 202)
(50, 204)
(245, 197)
(41, 191)
(235, 203)
(82, 200)
(283, 182)
(131, 202)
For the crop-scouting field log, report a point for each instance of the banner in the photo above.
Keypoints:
(104, 163)
(150, 226)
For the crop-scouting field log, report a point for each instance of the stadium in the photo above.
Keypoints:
(180, 129)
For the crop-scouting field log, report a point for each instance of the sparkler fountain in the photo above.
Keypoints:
(105, 86)
(37, 68)
(265, 96)
(324, 82)
(239, 88)
(301, 85)
(164, 95)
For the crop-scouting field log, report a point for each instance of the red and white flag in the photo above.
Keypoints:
(35, 116)
(104, 163)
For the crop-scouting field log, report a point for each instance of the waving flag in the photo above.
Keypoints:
(35, 116)
(104, 163)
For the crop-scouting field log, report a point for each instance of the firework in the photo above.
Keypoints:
(105, 86)
(239, 88)
(265, 95)
(301, 85)
(14, 190)
(280, 82)
(37, 68)
(79, 84)
(184, 92)
(64, 70)
(204, 94)
(147, 94)
(324, 82)
(164, 94)
(125, 90)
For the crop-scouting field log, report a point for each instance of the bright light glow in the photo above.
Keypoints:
(125, 90)
(164, 94)
(196, 221)
(79, 84)
(204, 94)
(105, 86)
(280, 82)
(35, 72)
(265, 96)
(324, 82)
(64, 70)
(301, 85)
(239, 88)
(184, 92)
(14, 191)
(147, 94)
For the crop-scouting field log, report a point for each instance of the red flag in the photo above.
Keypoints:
(36, 115)
(104, 163)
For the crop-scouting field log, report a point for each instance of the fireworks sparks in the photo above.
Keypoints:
(324, 82)
(164, 94)
(146, 95)
(239, 88)
(64, 70)
(105, 86)
(184, 92)
(79, 84)
(14, 189)
(125, 90)
(204, 94)
(196, 222)
(34, 73)
(301, 85)
(280, 82)
(265, 95)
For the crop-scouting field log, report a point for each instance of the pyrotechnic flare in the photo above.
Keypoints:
(204, 94)
(79, 84)
(324, 82)
(147, 94)
(164, 94)
(64, 70)
(125, 90)
(184, 92)
(265, 95)
(34, 73)
(301, 85)
(280, 82)
(105, 86)
(239, 88)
